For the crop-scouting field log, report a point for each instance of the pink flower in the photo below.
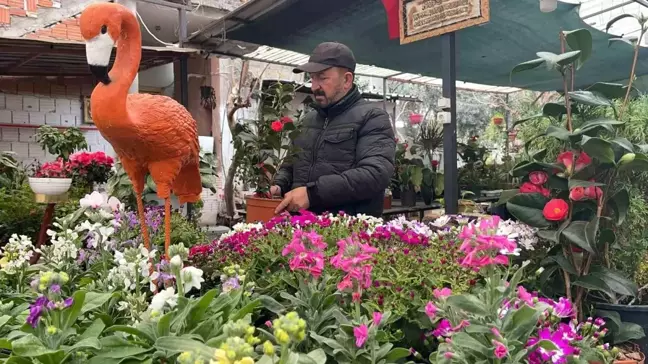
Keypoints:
(307, 250)
(577, 194)
(355, 297)
(444, 328)
(377, 318)
(500, 350)
(538, 178)
(442, 293)
(563, 308)
(361, 333)
(276, 126)
(525, 296)
(431, 310)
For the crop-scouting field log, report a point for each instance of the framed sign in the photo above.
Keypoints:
(421, 19)
(87, 113)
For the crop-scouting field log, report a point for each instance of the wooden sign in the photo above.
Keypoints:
(421, 19)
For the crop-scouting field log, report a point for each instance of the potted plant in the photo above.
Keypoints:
(265, 145)
(427, 185)
(408, 176)
(578, 201)
(90, 169)
(54, 178)
(387, 202)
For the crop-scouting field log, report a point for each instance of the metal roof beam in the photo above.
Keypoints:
(613, 7)
(168, 4)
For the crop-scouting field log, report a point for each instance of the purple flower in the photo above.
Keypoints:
(55, 288)
(36, 310)
(68, 302)
(563, 308)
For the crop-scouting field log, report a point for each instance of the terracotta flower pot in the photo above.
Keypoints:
(387, 202)
(260, 209)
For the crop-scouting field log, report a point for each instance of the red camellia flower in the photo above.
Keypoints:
(415, 118)
(544, 191)
(277, 126)
(577, 194)
(435, 164)
(593, 192)
(556, 210)
(528, 187)
(286, 119)
(567, 160)
(538, 178)
(583, 161)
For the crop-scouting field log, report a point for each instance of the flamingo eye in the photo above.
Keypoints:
(104, 29)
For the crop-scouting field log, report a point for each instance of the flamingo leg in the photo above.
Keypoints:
(142, 221)
(167, 226)
(137, 174)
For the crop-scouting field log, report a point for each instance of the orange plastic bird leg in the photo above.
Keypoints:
(164, 174)
(137, 175)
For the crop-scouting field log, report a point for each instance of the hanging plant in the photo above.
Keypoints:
(497, 119)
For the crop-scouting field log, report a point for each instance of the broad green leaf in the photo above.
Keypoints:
(271, 304)
(580, 40)
(616, 282)
(94, 300)
(589, 98)
(4, 319)
(522, 121)
(89, 343)
(593, 282)
(246, 310)
(599, 149)
(628, 331)
(469, 303)
(518, 324)
(131, 330)
(164, 324)
(539, 155)
(527, 207)
(115, 347)
(396, 354)
(575, 233)
(506, 195)
(580, 183)
(551, 235)
(30, 346)
(609, 90)
(71, 313)
(620, 40)
(467, 342)
(623, 143)
(94, 330)
(562, 262)
(5, 344)
(528, 65)
(547, 345)
(477, 329)
(554, 109)
(318, 356)
(620, 202)
(174, 345)
(554, 60)
(524, 168)
(591, 229)
(558, 132)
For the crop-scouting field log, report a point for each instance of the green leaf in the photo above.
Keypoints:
(506, 195)
(247, 309)
(29, 346)
(616, 282)
(539, 155)
(593, 282)
(591, 229)
(469, 303)
(396, 354)
(71, 313)
(318, 356)
(547, 345)
(606, 236)
(609, 90)
(580, 183)
(528, 65)
(620, 202)
(637, 164)
(271, 304)
(115, 347)
(175, 344)
(527, 207)
(558, 132)
(522, 121)
(131, 330)
(554, 109)
(623, 143)
(562, 262)
(590, 98)
(94, 330)
(95, 300)
(580, 40)
(599, 149)
(88, 343)
(575, 233)
(551, 235)
(467, 342)
(518, 324)
(620, 40)
(553, 60)
(628, 331)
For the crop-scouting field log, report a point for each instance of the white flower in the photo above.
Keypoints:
(191, 278)
(98, 200)
(442, 221)
(520, 232)
(167, 296)
(176, 262)
(16, 254)
(122, 306)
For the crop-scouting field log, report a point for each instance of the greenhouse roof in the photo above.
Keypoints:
(485, 54)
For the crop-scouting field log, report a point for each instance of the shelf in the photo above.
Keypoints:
(29, 126)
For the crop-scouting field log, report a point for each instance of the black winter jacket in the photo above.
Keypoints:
(345, 159)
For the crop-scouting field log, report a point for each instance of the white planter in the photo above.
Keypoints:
(50, 186)
(547, 6)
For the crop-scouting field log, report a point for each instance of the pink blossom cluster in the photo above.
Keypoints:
(406, 235)
(483, 247)
(361, 332)
(354, 258)
(307, 252)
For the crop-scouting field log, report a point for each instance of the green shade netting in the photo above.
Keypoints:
(485, 54)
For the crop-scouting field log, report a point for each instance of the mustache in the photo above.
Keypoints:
(319, 93)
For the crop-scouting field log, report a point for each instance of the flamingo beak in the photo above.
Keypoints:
(98, 51)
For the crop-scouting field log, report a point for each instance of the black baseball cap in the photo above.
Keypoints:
(327, 55)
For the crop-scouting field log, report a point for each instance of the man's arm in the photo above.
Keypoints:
(375, 153)
(284, 177)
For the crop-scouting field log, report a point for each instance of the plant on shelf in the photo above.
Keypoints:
(266, 140)
(576, 201)
(54, 178)
(471, 175)
(408, 176)
(90, 168)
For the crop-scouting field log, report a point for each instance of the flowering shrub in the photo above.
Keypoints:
(54, 169)
(90, 167)
(501, 322)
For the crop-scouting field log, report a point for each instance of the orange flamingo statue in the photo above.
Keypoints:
(150, 133)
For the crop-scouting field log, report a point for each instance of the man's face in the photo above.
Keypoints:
(330, 85)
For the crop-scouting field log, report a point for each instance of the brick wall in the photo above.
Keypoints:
(26, 105)
(23, 8)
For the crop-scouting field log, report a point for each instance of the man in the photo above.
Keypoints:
(347, 145)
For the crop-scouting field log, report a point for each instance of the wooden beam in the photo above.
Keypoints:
(21, 63)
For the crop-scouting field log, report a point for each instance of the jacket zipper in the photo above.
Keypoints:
(315, 149)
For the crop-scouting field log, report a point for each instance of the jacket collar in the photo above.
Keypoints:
(341, 106)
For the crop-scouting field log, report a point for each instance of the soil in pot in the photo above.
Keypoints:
(260, 209)
(637, 314)
(408, 198)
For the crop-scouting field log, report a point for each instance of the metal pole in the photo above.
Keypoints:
(507, 117)
(182, 30)
(184, 100)
(449, 72)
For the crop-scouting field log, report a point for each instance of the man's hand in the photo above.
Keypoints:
(275, 191)
(294, 201)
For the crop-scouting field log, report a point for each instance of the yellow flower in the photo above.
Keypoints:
(268, 348)
(220, 357)
(282, 337)
(52, 330)
(246, 360)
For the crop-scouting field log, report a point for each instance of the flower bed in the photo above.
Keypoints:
(299, 289)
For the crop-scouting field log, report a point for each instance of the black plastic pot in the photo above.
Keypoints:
(408, 198)
(636, 314)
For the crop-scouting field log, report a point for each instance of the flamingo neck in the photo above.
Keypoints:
(110, 100)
